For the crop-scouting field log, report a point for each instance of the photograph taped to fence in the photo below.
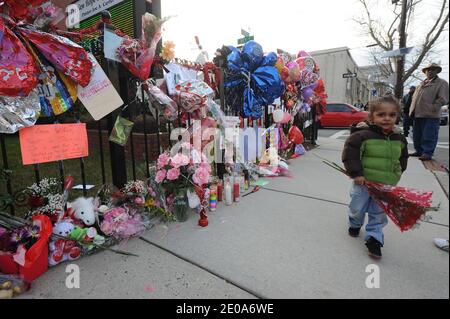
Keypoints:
(53, 142)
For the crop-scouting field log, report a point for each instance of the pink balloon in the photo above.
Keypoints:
(302, 54)
(294, 71)
(286, 118)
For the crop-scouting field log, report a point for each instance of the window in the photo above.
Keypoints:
(338, 108)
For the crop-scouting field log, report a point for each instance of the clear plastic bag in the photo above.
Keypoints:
(166, 106)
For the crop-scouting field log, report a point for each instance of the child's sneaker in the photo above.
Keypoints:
(374, 247)
(354, 232)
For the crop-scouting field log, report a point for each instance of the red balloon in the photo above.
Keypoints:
(67, 56)
(17, 67)
(295, 135)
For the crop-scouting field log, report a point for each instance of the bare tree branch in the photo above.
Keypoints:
(429, 43)
(370, 27)
(384, 37)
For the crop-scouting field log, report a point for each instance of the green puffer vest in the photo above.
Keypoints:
(376, 156)
(381, 160)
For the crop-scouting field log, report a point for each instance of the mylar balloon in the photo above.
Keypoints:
(252, 52)
(270, 59)
(285, 74)
(294, 71)
(286, 118)
(295, 135)
(278, 115)
(302, 54)
(279, 65)
(307, 93)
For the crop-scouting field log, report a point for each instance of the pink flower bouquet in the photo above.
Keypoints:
(182, 171)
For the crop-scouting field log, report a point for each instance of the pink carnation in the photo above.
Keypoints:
(160, 176)
(201, 176)
(206, 167)
(163, 160)
(179, 160)
(173, 174)
(205, 158)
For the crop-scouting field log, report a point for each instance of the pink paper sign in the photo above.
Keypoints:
(53, 142)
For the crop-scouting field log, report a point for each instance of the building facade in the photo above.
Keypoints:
(334, 63)
(380, 79)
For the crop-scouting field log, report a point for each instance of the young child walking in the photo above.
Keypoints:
(376, 152)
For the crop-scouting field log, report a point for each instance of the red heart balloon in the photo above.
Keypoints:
(295, 135)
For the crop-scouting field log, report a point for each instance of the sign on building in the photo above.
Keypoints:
(89, 8)
(349, 75)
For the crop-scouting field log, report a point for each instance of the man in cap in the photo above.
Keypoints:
(406, 102)
(425, 108)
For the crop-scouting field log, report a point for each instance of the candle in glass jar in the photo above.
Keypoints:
(228, 194)
(236, 190)
(219, 191)
(242, 183)
(212, 200)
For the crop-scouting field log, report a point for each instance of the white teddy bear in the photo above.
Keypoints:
(84, 209)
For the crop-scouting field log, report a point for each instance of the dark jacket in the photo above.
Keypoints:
(378, 157)
(406, 101)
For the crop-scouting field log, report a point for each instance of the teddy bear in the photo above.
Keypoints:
(83, 210)
(62, 249)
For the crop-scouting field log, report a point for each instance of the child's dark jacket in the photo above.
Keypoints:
(378, 157)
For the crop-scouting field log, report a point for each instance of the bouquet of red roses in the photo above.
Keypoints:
(404, 206)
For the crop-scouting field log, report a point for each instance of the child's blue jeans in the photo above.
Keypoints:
(360, 204)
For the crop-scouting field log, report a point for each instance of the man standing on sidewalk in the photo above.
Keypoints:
(406, 102)
(426, 105)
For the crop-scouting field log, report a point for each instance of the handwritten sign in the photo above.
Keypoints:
(53, 142)
(100, 97)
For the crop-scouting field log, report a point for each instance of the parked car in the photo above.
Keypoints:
(342, 115)
(444, 115)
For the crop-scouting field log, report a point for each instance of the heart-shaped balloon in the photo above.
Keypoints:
(295, 135)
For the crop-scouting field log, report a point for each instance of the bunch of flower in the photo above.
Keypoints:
(168, 51)
(134, 193)
(53, 207)
(151, 29)
(45, 198)
(120, 223)
(24, 235)
(183, 171)
(45, 187)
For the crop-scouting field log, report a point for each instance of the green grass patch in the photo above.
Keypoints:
(23, 176)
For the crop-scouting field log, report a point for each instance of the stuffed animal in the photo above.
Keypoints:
(89, 236)
(84, 209)
(61, 249)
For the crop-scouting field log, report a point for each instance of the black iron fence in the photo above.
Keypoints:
(107, 162)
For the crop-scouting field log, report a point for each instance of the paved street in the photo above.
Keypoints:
(441, 154)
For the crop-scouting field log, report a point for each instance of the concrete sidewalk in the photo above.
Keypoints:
(288, 240)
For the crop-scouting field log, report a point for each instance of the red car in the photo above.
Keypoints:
(343, 115)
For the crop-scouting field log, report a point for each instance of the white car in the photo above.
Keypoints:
(444, 115)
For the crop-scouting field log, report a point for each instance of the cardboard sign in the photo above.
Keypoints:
(100, 97)
(53, 142)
